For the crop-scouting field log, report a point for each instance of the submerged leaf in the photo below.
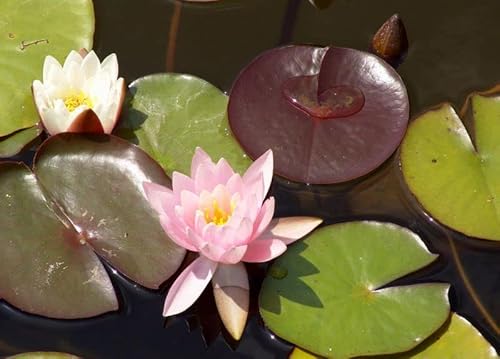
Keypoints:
(29, 31)
(333, 301)
(439, 156)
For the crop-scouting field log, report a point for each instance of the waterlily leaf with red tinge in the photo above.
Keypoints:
(43, 267)
(329, 114)
(84, 196)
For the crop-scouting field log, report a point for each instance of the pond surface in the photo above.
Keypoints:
(454, 49)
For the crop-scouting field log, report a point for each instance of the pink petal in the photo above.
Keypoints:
(234, 255)
(199, 157)
(176, 234)
(235, 184)
(263, 166)
(156, 195)
(264, 217)
(289, 229)
(205, 178)
(190, 203)
(181, 182)
(260, 251)
(223, 171)
(199, 222)
(231, 275)
(189, 286)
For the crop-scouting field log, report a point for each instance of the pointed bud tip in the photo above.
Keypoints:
(232, 304)
(390, 42)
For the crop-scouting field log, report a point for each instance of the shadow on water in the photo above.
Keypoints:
(301, 293)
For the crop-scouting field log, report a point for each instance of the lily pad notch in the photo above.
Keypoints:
(82, 200)
(330, 115)
(438, 148)
(332, 299)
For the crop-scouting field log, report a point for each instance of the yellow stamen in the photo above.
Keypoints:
(74, 100)
(217, 215)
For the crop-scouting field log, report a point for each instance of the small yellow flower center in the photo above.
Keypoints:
(217, 215)
(74, 100)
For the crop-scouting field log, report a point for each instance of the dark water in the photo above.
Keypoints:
(454, 48)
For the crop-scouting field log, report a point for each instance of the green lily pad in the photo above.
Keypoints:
(29, 31)
(458, 339)
(15, 143)
(84, 199)
(331, 301)
(169, 115)
(439, 156)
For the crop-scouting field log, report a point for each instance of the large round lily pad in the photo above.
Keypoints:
(83, 198)
(327, 293)
(329, 114)
(29, 31)
(169, 115)
(438, 156)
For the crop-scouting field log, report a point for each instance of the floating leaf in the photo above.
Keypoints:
(458, 339)
(15, 143)
(331, 301)
(329, 114)
(29, 31)
(85, 195)
(439, 156)
(171, 114)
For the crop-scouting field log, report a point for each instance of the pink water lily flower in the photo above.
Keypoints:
(227, 219)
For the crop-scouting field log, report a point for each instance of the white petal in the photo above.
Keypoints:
(110, 66)
(73, 58)
(108, 111)
(74, 76)
(54, 121)
(52, 70)
(39, 95)
(90, 65)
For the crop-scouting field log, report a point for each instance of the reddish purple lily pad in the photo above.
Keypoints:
(330, 115)
(82, 201)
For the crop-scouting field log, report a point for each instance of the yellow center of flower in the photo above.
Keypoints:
(74, 100)
(217, 215)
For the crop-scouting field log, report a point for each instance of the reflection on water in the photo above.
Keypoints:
(452, 51)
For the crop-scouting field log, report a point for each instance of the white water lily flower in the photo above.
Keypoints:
(83, 95)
